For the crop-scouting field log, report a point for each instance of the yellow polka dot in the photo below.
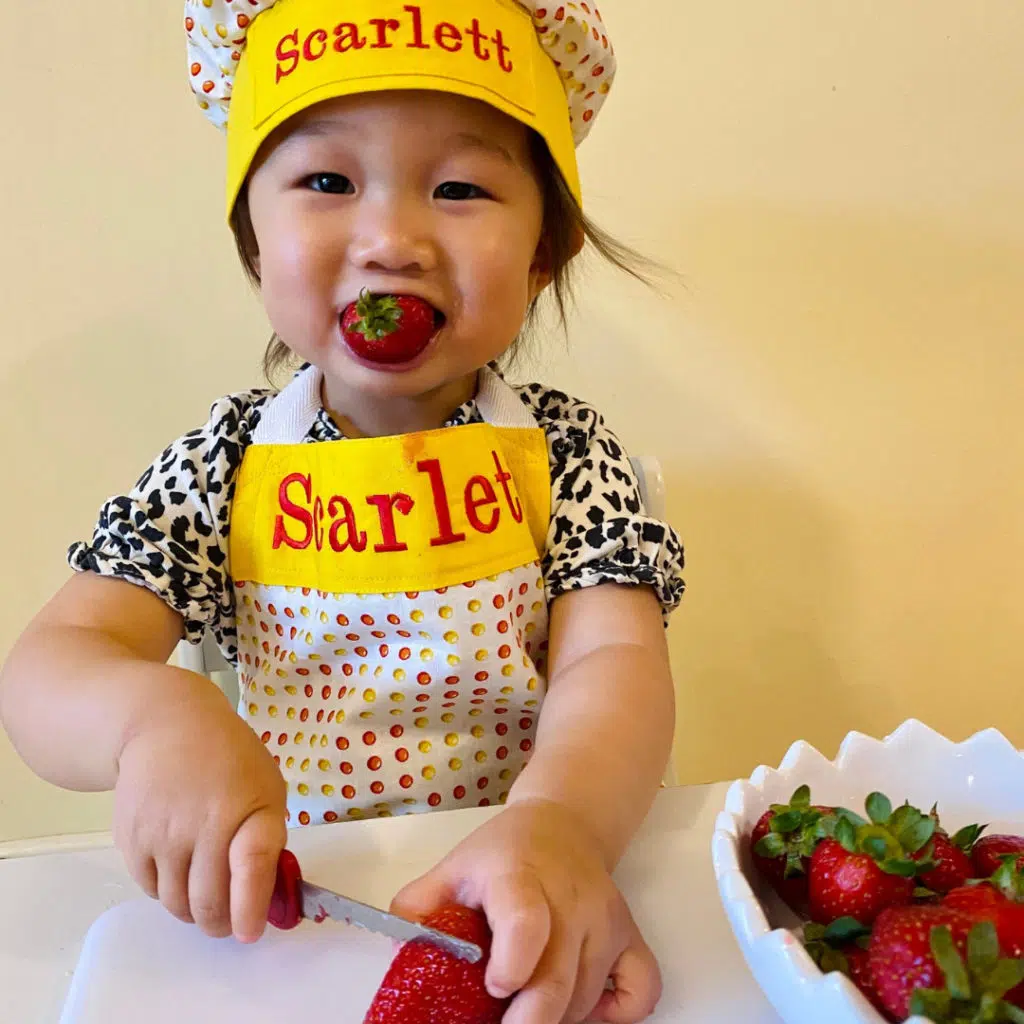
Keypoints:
(365, 715)
(341, 652)
(289, 689)
(447, 718)
(451, 637)
(477, 731)
(363, 669)
(303, 789)
(479, 629)
(323, 764)
(481, 655)
(291, 712)
(417, 615)
(369, 696)
(396, 711)
(429, 772)
(272, 711)
(304, 767)
(508, 689)
(425, 746)
(398, 675)
(299, 737)
(453, 660)
(381, 807)
(304, 612)
(492, 579)
(384, 814)
(247, 600)
(309, 638)
(455, 764)
(340, 716)
(329, 637)
(424, 635)
(293, 657)
(480, 757)
(531, 683)
(398, 697)
(327, 789)
(421, 723)
(323, 617)
(426, 654)
(312, 740)
(355, 812)
(530, 703)
(289, 762)
(536, 606)
(452, 739)
(475, 712)
(505, 774)
(270, 691)
(409, 801)
(253, 687)
(378, 672)
(501, 700)
(530, 627)
(539, 584)
(253, 708)
(508, 670)
(474, 605)
(502, 798)
(323, 740)
(445, 612)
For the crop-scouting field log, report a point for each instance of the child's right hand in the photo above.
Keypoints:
(199, 812)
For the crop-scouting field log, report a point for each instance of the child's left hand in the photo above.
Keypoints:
(561, 927)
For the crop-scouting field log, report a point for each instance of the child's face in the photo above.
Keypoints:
(422, 193)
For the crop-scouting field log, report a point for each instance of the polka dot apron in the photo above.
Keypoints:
(392, 624)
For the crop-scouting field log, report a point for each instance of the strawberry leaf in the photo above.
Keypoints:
(801, 798)
(932, 1003)
(850, 816)
(967, 837)
(1006, 974)
(1013, 1013)
(915, 836)
(898, 866)
(845, 929)
(846, 835)
(949, 961)
(771, 846)
(879, 808)
(785, 822)
(983, 950)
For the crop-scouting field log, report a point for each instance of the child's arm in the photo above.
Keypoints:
(541, 869)
(90, 704)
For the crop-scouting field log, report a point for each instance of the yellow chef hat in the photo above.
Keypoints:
(255, 63)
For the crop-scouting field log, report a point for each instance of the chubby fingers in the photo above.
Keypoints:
(252, 860)
(637, 986)
(519, 915)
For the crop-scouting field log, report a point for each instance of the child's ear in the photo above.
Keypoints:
(541, 270)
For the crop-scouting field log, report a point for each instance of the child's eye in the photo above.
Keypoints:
(333, 184)
(457, 190)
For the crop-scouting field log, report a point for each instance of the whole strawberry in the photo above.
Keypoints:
(388, 329)
(782, 842)
(951, 856)
(428, 985)
(917, 964)
(989, 851)
(843, 947)
(868, 865)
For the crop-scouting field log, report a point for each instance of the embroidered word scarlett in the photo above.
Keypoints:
(380, 34)
(311, 515)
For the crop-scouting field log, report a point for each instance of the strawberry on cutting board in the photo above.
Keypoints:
(917, 964)
(868, 865)
(427, 985)
(782, 842)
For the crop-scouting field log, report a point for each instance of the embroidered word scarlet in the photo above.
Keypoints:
(384, 34)
(299, 503)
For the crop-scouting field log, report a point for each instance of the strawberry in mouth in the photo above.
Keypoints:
(389, 329)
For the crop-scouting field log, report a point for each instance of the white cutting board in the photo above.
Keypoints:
(139, 963)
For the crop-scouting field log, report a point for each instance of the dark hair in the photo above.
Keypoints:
(563, 222)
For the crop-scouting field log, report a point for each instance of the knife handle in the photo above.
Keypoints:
(286, 903)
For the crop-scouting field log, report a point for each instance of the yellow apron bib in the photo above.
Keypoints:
(392, 625)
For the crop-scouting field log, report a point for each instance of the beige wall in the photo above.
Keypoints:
(834, 390)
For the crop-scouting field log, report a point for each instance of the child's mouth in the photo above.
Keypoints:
(390, 329)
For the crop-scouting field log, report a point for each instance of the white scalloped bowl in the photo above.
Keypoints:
(981, 779)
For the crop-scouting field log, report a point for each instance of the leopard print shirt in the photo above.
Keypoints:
(170, 532)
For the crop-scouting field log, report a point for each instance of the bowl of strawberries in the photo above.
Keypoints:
(884, 885)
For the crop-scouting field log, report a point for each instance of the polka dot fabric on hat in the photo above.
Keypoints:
(573, 34)
(379, 705)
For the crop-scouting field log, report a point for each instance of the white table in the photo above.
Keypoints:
(50, 899)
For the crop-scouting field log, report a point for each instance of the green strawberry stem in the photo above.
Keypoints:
(794, 831)
(974, 991)
(890, 837)
(379, 315)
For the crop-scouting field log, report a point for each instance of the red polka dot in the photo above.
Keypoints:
(378, 634)
(348, 792)
(369, 738)
(480, 691)
(341, 620)
(404, 654)
(366, 620)
(423, 679)
(485, 802)
(308, 690)
(404, 633)
(347, 669)
(459, 792)
(346, 768)
(482, 783)
(503, 626)
(320, 715)
(525, 723)
(342, 690)
(377, 787)
(265, 737)
(325, 670)
(470, 585)
(412, 594)
(361, 652)
(441, 590)
(304, 715)
(352, 637)
(303, 817)
(402, 755)
(264, 626)
(501, 728)
(277, 760)
(504, 651)
(396, 731)
(523, 588)
(519, 611)
(279, 629)
(422, 697)
(501, 753)
(374, 763)
(330, 816)
(325, 692)
(452, 680)
(451, 694)
(394, 619)
(282, 739)
(341, 743)
(499, 602)
(298, 671)
(501, 711)
(405, 781)
(526, 745)
(434, 799)
(477, 700)
(258, 606)
(384, 650)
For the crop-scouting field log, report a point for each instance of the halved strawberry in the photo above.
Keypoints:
(868, 865)
(389, 329)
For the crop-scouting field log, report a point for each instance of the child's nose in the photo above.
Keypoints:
(392, 236)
